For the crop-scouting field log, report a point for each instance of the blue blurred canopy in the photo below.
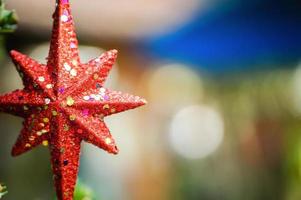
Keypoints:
(236, 35)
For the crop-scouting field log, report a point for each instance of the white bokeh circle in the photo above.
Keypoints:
(196, 131)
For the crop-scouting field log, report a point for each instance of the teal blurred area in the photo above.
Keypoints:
(221, 123)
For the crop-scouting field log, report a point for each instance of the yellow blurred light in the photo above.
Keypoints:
(173, 86)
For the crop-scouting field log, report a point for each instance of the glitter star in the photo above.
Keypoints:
(64, 102)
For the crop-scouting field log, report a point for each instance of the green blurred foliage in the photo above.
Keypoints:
(3, 190)
(8, 19)
(83, 192)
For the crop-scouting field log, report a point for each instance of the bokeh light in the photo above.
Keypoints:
(196, 131)
(173, 86)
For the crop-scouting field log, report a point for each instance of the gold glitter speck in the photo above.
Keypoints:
(49, 86)
(74, 62)
(95, 76)
(66, 127)
(31, 138)
(54, 113)
(106, 106)
(70, 101)
(27, 145)
(72, 117)
(45, 143)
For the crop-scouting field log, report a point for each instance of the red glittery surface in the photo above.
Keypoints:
(64, 102)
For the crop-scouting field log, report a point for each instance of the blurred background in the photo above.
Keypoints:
(223, 84)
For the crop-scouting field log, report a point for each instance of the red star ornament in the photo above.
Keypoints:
(64, 102)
